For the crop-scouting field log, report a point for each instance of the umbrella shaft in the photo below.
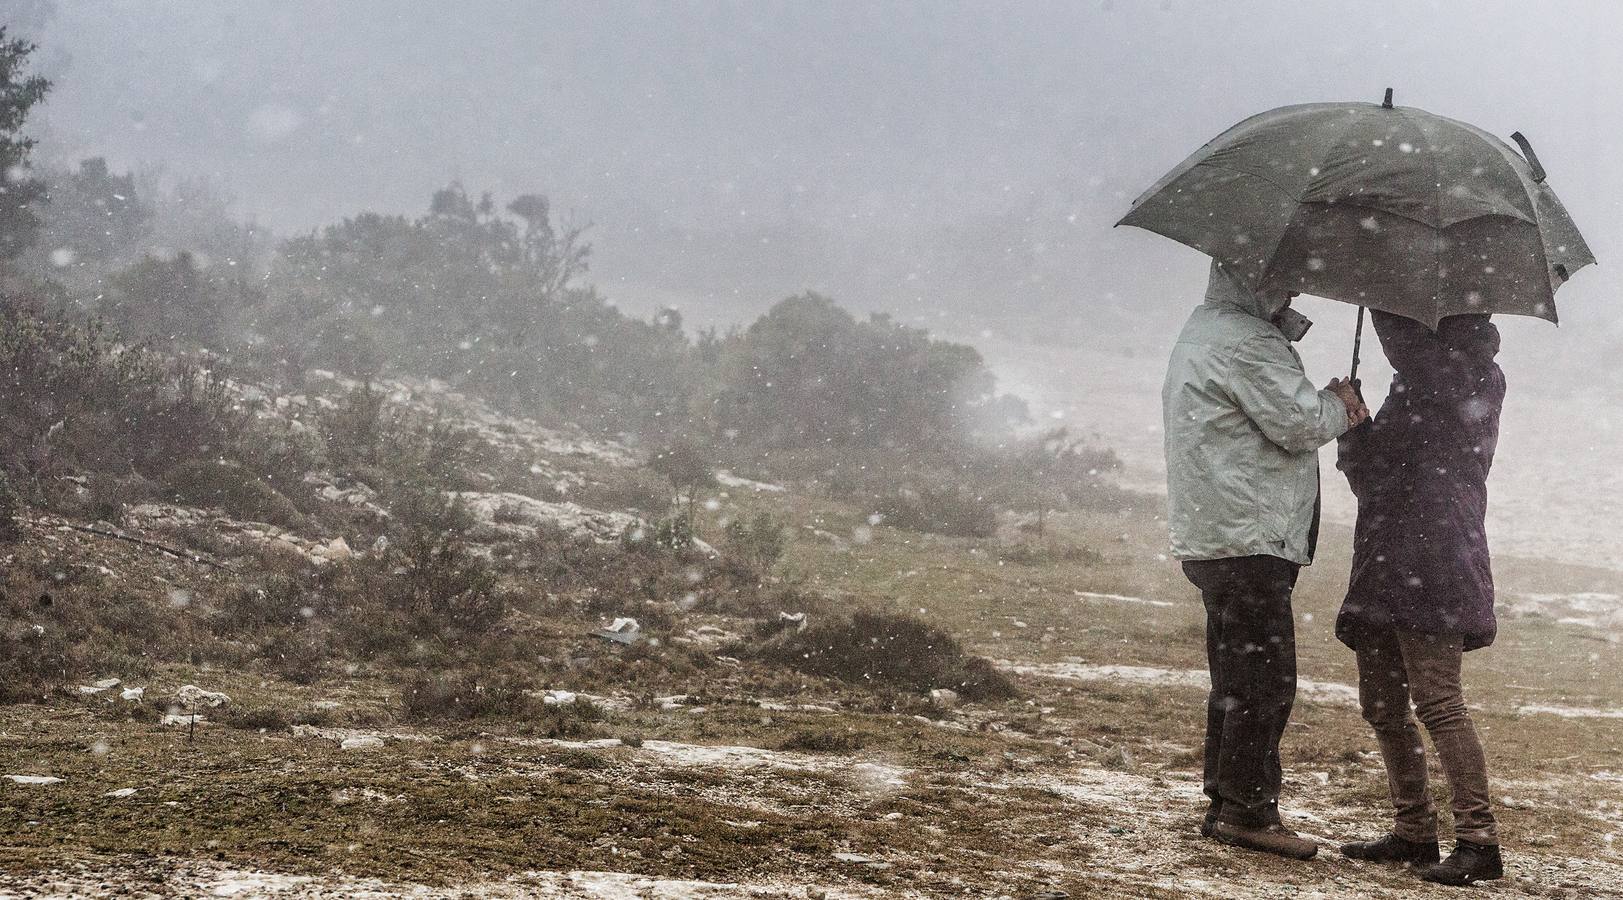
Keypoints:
(1358, 343)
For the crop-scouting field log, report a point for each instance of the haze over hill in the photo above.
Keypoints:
(958, 165)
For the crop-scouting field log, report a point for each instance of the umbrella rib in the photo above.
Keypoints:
(1437, 208)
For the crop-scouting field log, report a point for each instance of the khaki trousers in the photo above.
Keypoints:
(1396, 666)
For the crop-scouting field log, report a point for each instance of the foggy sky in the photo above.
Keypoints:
(931, 158)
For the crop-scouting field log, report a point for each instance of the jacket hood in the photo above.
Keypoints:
(1415, 351)
(1226, 289)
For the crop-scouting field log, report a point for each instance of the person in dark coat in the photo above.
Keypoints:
(1421, 592)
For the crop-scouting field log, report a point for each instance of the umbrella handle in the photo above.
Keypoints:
(1358, 343)
(1530, 156)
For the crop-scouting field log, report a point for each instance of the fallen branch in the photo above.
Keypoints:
(118, 535)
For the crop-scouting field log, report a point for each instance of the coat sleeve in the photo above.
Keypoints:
(1355, 455)
(1271, 388)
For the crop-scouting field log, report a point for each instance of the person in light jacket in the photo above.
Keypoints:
(1243, 426)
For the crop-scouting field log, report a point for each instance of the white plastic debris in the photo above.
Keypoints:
(622, 631)
(35, 779)
(134, 693)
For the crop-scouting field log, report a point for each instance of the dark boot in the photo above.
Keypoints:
(1468, 864)
(1211, 818)
(1275, 839)
(1392, 848)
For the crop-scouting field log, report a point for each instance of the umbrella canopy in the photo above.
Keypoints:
(1388, 207)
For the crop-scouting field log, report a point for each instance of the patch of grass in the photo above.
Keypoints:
(823, 741)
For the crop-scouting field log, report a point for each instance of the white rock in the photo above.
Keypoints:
(97, 687)
(507, 516)
(945, 698)
(180, 720)
(361, 742)
(193, 696)
(336, 550)
(120, 793)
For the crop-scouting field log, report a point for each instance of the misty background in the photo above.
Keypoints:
(958, 165)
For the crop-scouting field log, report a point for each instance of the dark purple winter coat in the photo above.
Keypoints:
(1419, 469)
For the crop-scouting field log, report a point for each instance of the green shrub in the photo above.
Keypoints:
(90, 404)
(230, 487)
(759, 543)
(470, 696)
(356, 428)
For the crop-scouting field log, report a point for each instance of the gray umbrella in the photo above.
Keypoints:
(1392, 208)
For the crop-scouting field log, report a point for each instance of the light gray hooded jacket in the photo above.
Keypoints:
(1243, 427)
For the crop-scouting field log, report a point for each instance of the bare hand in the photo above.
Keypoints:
(1357, 412)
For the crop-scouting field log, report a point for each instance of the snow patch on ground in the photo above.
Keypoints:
(728, 479)
(1119, 598)
(359, 738)
(142, 878)
(34, 779)
(1322, 691)
(1570, 712)
(1589, 609)
(727, 758)
(1306, 688)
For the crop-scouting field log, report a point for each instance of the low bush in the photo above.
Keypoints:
(885, 649)
(949, 511)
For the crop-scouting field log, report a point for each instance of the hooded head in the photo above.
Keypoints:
(1224, 288)
(1416, 352)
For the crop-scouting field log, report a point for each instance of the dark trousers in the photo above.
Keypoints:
(1251, 652)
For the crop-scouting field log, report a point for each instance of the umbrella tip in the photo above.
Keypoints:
(1387, 103)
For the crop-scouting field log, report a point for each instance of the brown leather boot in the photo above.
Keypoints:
(1275, 839)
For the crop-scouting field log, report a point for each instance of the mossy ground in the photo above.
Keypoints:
(1089, 787)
